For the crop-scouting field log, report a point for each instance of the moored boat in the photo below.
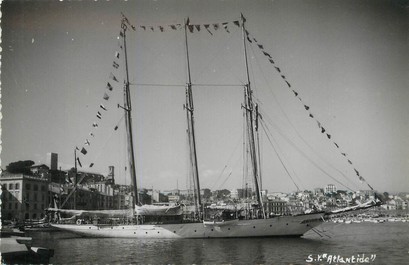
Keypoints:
(16, 248)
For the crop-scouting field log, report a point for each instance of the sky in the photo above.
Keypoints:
(347, 60)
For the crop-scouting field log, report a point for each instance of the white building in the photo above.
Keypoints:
(330, 188)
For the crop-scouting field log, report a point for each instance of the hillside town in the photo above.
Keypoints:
(29, 189)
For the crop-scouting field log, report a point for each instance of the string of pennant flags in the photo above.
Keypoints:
(324, 131)
(109, 87)
(209, 27)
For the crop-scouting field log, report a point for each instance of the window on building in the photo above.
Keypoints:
(35, 206)
(17, 186)
(11, 186)
(27, 196)
(35, 196)
(26, 216)
(35, 187)
(10, 205)
(42, 187)
(16, 206)
(42, 197)
(28, 186)
(34, 215)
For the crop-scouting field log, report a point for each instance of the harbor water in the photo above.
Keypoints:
(335, 243)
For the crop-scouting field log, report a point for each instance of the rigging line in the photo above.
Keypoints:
(252, 71)
(315, 152)
(188, 167)
(96, 157)
(221, 85)
(228, 161)
(121, 159)
(165, 85)
(191, 160)
(308, 145)
(254, 95)
(311, 161)
(244, 146)
(231, 171)
(226, 179)
(218, 178)
(249, 156)
(279, 158)
(123, 162)
(120, 120)
(291, 124)
(260, 159)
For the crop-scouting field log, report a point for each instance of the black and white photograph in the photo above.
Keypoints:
(204, 132)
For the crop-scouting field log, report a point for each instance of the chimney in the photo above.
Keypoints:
(52, 161)
(111, 175)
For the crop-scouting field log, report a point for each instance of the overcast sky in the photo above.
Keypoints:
(347, 60)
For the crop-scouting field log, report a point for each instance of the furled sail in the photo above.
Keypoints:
(158, 210)
(99, 213)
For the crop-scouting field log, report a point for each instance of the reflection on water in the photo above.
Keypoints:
(388, 241)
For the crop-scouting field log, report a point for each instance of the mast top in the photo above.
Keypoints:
(125, 22)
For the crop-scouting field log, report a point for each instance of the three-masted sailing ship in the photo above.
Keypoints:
(168, 221)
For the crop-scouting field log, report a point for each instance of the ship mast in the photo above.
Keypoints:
(128, 117)
(191, 130)
(249, 109)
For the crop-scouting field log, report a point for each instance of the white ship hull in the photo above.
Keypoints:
(282, 226)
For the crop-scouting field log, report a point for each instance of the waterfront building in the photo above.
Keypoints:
(23, 196)
(171, 192)
(245, 193)
(275, 207)
(390, 205)
(104, 194)
(40, 170)
(155, 195)
(330, 188)
(110, 179)
(186, 193)
(123, 197)
(405, 205)
(173, 198)
(86, 177)
(88, 197)
(318, 191)
(234, 194)
(368, 194)
(276, 195)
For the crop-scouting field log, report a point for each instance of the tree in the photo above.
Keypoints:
(221, 194)
(384, 197)
(207, 193)
(144, 197)
(20, 167)
(71, 175)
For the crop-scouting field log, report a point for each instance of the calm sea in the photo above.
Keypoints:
(367, 243)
